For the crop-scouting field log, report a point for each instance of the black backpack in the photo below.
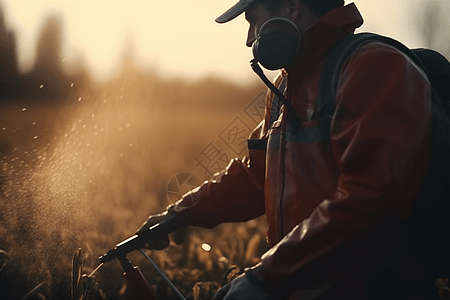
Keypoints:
(429, 225)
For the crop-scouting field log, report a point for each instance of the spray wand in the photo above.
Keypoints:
(132, 273)
(135, 242)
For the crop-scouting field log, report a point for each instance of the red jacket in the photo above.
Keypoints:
(331, 205)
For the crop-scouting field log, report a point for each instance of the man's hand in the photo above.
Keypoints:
(152, 220)
(242, 288)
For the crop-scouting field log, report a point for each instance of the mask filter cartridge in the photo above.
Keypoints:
(276, 43)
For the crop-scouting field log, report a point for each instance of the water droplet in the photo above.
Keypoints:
(71, 85)
(35, 137)
(121, 97)
(121, 154)
(34, 123)
(41, 86)
(24, 109)
(4, 128)
(120, 128)
(104, 101)
(79, 99)
(128, 125)
(130, 145)
(206, 247)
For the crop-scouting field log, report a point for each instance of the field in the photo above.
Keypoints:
(86, 171)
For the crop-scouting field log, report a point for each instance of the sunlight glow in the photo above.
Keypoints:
(176, 38)
(206, 247)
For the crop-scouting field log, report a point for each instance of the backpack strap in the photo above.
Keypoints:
(332, 70)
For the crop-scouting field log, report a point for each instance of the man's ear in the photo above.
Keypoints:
(291, 9)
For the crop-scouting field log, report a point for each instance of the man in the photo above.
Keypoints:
(335, 205)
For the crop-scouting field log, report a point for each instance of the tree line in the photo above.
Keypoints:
(48, 80)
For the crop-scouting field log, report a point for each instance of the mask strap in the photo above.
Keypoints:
(277, 92)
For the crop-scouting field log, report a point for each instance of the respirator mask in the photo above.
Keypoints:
(276, 43)
(275, 47)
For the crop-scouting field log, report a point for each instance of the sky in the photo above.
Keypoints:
(176, 38)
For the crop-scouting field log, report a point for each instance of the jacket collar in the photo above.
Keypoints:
(318, 39)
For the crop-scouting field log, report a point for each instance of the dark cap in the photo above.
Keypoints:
(235, 10)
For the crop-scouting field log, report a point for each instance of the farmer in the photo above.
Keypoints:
(334, 205)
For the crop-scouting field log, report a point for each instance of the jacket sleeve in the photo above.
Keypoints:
(381, 138)
(236, 194)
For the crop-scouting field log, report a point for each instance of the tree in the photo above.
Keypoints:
(433, 25)
(9, 75)
(48, 78)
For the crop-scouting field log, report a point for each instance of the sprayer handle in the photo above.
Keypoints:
(163, 228)
(155, 232)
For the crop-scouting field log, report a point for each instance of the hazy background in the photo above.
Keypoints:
(179, 38)
(111, 110)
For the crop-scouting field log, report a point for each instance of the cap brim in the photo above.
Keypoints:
(235, 11)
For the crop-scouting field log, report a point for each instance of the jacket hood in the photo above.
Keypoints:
(319, 38)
